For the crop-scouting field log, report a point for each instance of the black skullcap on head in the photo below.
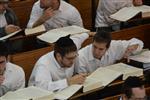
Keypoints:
(3, 49)
(133, 82)
(64, 41)
(64, 45)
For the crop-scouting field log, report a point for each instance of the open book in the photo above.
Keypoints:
(143, 57)
(102, 77)
(30, 31)
(9, 35)
(126, 70)
(127, 13)
(52, 35)
(29, 93)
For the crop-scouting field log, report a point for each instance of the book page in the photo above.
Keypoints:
(126, 70)
(143, 8)
(67, 92)
(100, 78)
(37, 29)
(9, 35)
(143, 57)
(54, 34)
(27, 94)
(125, 14)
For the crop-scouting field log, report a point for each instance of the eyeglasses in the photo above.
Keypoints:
(71, 58)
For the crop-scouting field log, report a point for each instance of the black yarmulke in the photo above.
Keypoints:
(64, 41)
(133, 82)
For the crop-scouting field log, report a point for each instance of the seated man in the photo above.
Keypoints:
(55, 70)
(8, 20)
(108, 7)
(104, 51)
(133, 89)
(12, 77)
(54, 14)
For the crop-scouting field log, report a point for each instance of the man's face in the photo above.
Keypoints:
(3, 7)
(138, 94)
(99, 49)
(137, 2)
(69, 59)
(45, 3)
(3, 61)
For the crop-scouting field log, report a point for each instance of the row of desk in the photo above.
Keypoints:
(31, 49)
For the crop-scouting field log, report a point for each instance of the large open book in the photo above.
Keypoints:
(29, 93)
(102, 77)
(52, 35)
(127, 13)
(9, 35)
(30, 31)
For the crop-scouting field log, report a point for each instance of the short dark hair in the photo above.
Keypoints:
(4, 49)
(131, 82)
(64, 45)
(102, 37)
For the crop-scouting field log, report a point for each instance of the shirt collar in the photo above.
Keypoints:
(55, 61)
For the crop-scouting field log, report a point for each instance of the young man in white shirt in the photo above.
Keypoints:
(55, 70)
(54, 14)
(12, 76)
(104, 51)
(108, 7)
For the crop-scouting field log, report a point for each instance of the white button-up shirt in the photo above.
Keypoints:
(48, 74)
(14, 77)
(87, 62)
(108, 7)
(3, 21)
(66, 15)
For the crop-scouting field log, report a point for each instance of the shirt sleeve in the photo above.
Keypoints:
(44, 80)
(21, 79)
(75, 18)
(119, 47)
(35, 14)
(78, 39)
(81, 65)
